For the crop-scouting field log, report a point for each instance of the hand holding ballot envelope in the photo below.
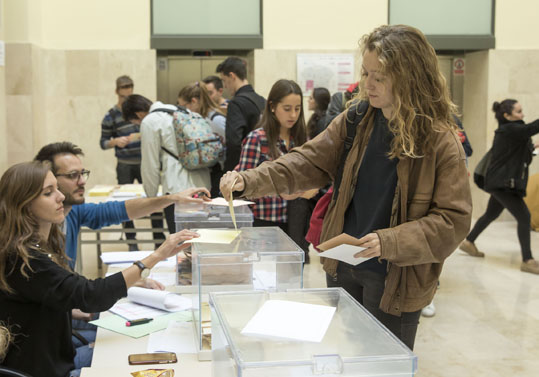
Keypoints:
(230, 182)
(350, 249)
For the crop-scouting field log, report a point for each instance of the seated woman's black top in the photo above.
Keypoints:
(38, 314)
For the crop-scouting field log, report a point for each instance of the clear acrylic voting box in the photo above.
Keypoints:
(259, 258)
(355, 343)
(204, 216)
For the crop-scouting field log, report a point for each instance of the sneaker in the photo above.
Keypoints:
(429, 310)
(469, 247)
(132, 247)
(531, 266)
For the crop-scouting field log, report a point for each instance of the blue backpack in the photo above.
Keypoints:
(198, 146)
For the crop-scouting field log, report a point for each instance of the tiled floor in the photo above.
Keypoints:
(487, 319)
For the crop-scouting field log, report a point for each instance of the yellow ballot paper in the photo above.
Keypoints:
(215, 236)
(231, 205)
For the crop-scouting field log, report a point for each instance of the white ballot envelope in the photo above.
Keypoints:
(342, 247)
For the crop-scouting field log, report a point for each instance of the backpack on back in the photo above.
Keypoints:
(198, 146)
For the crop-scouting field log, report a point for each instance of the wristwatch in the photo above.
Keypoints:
(144, 271)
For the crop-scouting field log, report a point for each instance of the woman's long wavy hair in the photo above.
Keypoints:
(422, 105)
(20, 185)
(198, 90)
(270, 123)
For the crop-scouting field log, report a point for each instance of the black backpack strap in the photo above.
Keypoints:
(170, 153)
(216, 114)
(354, 115)
(250, 98)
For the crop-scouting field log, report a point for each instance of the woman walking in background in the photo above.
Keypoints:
(318, 102)
(506, 179)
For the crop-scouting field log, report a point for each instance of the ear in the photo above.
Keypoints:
(506, 116)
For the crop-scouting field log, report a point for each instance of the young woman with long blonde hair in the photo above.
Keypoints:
(404, 191)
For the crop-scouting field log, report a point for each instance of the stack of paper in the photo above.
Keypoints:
(129, 191)
(124, 259)
(101, 190)
(150, 303)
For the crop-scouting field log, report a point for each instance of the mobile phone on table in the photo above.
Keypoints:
(152, 358)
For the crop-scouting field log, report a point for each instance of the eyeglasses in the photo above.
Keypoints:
(127, 86)
(75, 176)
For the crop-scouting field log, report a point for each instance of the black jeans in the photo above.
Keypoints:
(299, 213)
(516, 206)
(127, 173)
(367, 287)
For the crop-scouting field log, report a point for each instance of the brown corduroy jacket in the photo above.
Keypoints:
(431, 211)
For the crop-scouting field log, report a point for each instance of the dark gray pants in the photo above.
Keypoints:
(367, 287)
(127, 173)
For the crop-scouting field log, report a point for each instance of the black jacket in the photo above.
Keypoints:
(511, 155)
(242, 115)
(39, 313)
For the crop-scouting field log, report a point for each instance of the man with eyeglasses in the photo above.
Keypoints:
(124, 136)
(71, 176)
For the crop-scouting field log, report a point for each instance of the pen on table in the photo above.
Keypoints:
(140, 321)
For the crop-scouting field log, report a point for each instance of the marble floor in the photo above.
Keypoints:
(487, 310)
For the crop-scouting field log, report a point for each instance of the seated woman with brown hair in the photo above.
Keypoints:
(37, 288)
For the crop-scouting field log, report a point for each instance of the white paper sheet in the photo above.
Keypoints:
(177, 337)
(220, 201)
(345, 253)
(289, 320)
(131, 311)
(126, 258)
(163, 300)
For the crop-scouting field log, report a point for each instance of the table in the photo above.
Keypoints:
(111, 351)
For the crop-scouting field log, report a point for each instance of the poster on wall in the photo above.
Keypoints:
(332, 71)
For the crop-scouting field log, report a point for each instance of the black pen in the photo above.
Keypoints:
(140, 321)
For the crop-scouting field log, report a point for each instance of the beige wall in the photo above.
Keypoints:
(78, 24)
(319, 24)
(3, 130)
(516, 25)
(61, 69)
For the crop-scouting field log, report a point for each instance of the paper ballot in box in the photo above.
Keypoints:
(327, 333)
(261, 258)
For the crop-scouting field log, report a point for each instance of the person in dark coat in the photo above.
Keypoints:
(506, 179)
(318, 103)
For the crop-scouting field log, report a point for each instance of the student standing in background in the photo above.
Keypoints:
(124, 136)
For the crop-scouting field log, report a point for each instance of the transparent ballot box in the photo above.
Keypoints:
(354, 344)
(259, 258)
(204, 216)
